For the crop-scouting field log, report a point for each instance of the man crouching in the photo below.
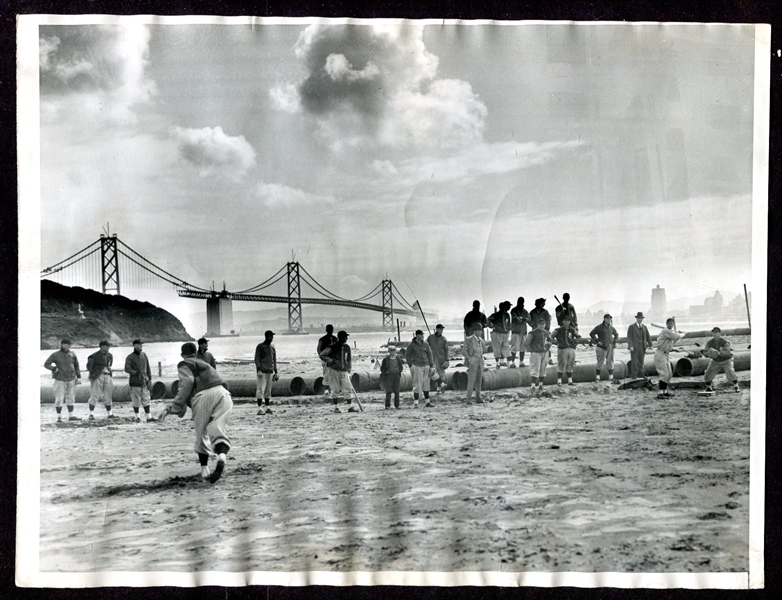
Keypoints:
(201, 388)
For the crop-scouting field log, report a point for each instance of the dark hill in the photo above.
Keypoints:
(115, 318)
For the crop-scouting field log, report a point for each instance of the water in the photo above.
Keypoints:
(290, 349)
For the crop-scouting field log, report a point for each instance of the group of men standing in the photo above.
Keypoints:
(538, 340)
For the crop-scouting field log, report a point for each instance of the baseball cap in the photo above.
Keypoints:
(137, 341)
(104, 343)
(188, 348)
(342, 334)
(65, 341)
(716, 330)
(439, 326)
(268, 332)
(202, 340)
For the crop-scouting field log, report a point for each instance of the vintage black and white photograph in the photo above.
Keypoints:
(391, 301)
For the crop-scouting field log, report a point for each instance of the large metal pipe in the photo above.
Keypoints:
(120, 393)
(365, 381)
(406, 382)
(693, 367)
(161, 388)
(497, 379)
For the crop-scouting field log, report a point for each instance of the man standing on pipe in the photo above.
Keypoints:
(338, 358)
(420, 360)
(638, 340)
(539, 342)
(566, 338)
(140, 380)
(323, 343)
(500, 324)
(605, 338)
(473, 360)
(719, 351)
(201, 388)
(665, 341)
(101, 381)
(519, 317)
(540, 312)
(204, 354)
(439, 346)
(566, 309)
(65, 369)
(265, 372)
(473, 317)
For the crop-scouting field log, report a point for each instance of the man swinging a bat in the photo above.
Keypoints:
(201, 388)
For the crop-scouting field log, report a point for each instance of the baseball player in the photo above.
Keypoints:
(101, 380)
(473, 360)
(140, 381)
(539, 342)
(338, 358)
(604, 336)
(719, 351)
(65, 369)
(665, 341)
(419, 358)
(202, 389)
(566, 338)
(265, 372)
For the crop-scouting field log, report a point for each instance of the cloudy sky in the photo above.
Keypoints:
(461, 161)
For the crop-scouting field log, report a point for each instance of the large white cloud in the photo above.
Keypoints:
(376, 85)
(210, 150)
(94, 76)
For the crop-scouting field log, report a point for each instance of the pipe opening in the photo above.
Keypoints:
(296, 386)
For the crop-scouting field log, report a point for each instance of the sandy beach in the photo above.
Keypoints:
(586, 478)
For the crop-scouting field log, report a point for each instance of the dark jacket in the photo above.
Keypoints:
(539, 313)
(472, 317)
(565, 337)
(326, 341)
(604, 335)
(387, 364)
(265, 358)
(207, 358)
(137, 365)
(568, 310)
(195, 375)
(439, 346)
(721, 345)
(63, 365)
(538, 339)
(337, 356)
(98, 362)
(638, 337)
(500, 322)
(519, 317)
(419, 354)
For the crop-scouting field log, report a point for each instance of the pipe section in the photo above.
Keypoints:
(120, 393)
(693, 367)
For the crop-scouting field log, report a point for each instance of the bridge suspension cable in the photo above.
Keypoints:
(71, 260)
(400, 298)
(166, 276)
(265, 284)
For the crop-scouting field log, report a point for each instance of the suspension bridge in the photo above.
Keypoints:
(108, 263)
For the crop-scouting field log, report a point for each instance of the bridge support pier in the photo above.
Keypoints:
(219, 316)
(109, 261)
(388, 305)
(295, 318)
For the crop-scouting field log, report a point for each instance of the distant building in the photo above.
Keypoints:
(659, 303)
(710, 309)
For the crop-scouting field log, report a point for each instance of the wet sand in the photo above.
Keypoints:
(585, 478)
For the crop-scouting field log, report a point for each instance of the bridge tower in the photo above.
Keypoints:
(109, 260)
(388, 305)
(295, 324)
